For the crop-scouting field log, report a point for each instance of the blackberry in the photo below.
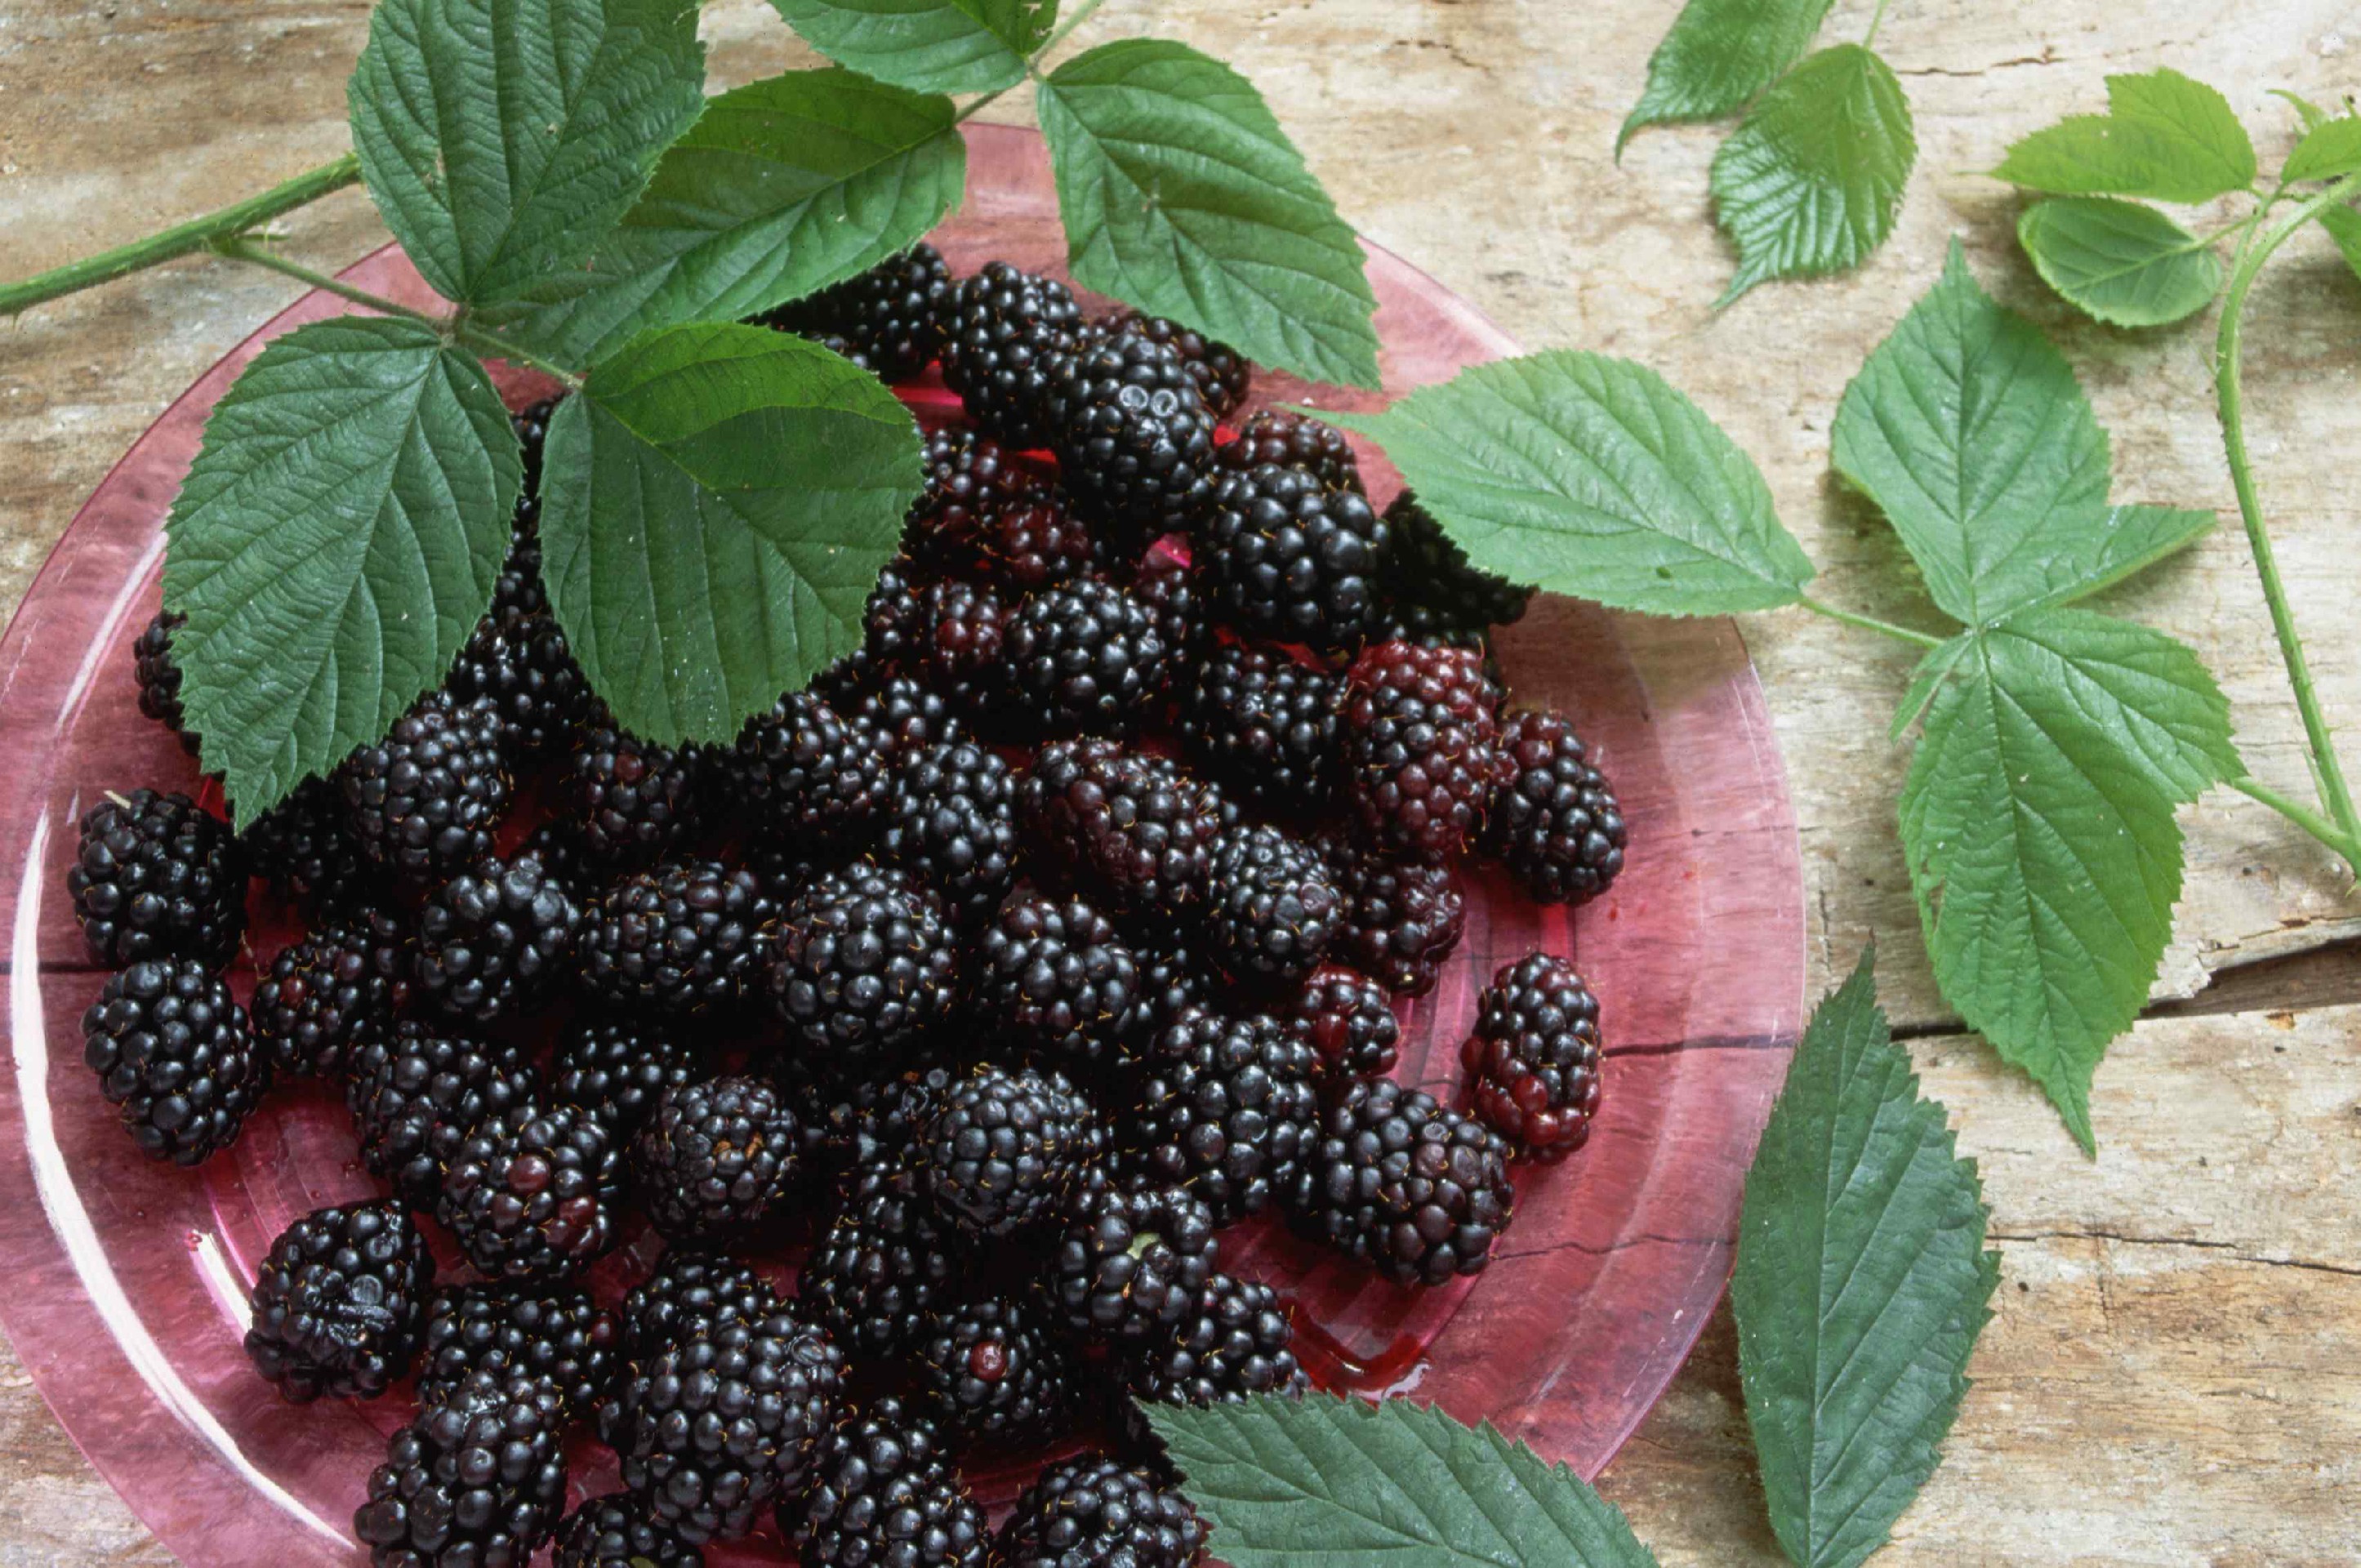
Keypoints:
(1133, 438)
(519, 665)
(1281, 555)
(1270, 908)
(1000, 330)
(891, 315)
(813, 776)
(424, 800)
(1093, 1511)
(716, 1156)
(1534, 1061)
(339, 1304)
(891, 623)
(1425, 568)
(1349, 1020)
(529, 1193)
(1421, 748)
(530, 423)
(636, 801)
(160, 677)
(1005, 1148)
(953, 826)
(865, 1124)
(995, 1368)
(881, 1267)
(1173, 978)
(493, 940)
(1051, 974)
(157, 877)
(983, 513)
(1163, 585)
(617, 1531)
(1240, 1342)
(1227, 1110)
(478, 1479)
(690, 1292)
(1133, 1260)
(907, 717)
(560, 1336)
(862, 964)
(173, 1049)
(1133, 830)
(886, 1497)
(617, 1069)
(1403, 919)
(1294, 441)
(305, 846)
(1264, 725)
(1222, 374)
(956, 647)
(1082, 656)
(726, 1421)
(415, 1095)
(329, 989)
(1555, 823)
(1404, 1184)
(682, 938)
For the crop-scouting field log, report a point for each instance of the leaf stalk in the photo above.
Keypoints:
(1869, 623)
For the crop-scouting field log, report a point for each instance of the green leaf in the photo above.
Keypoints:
(1863, 1283)
(2310, 112)
(1583, 475)
(1718, 55)
(1809, 184)
(2122, 262)
(2037, 821)
(501, 138)
(2164, 137)
(2331, 150)
(333, 546)
(2344, 227)
(786, 185)
(1183, 198)
(927, 46)
(1323, 1480)
(716, 505)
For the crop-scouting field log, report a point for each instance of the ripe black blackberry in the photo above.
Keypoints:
(1348, 1019)
(531, 1193)
(1007, 1148)
(1534, 1061)
(173, 1049)
(339, 1304)
(1093, 1511)
(985, 513)
(813, 776)
(1052, 975)
(1402, 917)
(1270, 909)
(881, 1266)
(1132, 1261)
(330, 989)
(616, 1530)
(682, 938)
(1133, 438)
(1425, 568)
(530, 423)
(716, 1156)
(519, 663)
(886, 1497)
(1406, 1185)
(1000, 330)
(956, 643)
(1134, 830)
(953, 826)
(478, 1478)
(157, 877)
(636, 801)
(890, 625)
(561, 1335)
(1226, 1111)
(1239, 1343)
(305, 846)
(1421, 748)
(890, 315)
(160, 677)
(995, 1368)
(907, 717)
(720, 1425)
(495, 940)
(854, 1125)
(1263, 724)
(424, 800)
(1082, 656)
(1173, 978)
(416, 1094)
(1162, 582)
(862, 964)
(1294, 441)
(1555, 823)
(1282, 555)
(690, 1291)
(1222, 374)
(617, 1068)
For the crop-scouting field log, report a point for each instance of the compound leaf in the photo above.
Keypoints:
(927, 46)
(2125, 263)
(1718, 56)
(2164, 137)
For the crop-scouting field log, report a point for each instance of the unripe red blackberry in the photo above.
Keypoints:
(1534, 1061)
(1291, 440)
(1404, 1184)
(157, 877)
(1349, 1020)
(1000, 330)
(1421, 748)
(1555, 823)
(985, 513)
(1402, 917)
(340, 1303)
(173, 1050)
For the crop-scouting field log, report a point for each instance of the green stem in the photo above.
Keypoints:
(2327, 771)
(1870, 623)
(197, 234)
(1877, 18)
(2303, 816)
(1074, 18)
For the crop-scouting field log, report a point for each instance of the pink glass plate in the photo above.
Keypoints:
(126, 1281)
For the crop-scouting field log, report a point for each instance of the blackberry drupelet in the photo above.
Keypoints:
(690, 1291)
(813, 776)
(636, 801)
(1349, 1020)
(1280, 554)
(1082, 656)
(157, 877)
(995, 1368)
(160, 677)
(1404, 1184)
(1220, 373)
(860, 1125)
(1163, 584)
(1534, 1061)
(1093, 1511)
(1173, 978)
(1264, 725)
(1421, 748)
(305, 847)
(617, 1068)
(529, 1193)
(886, 1497)
(327, 991)
(891, 315)
(519, 663)
(495, 940)
(985, 514)
(562, 1336)
(339, 1304)
(907, 717)
(1425, 568)
(1294, 441)
(424, 800)
(715, 1158)
(616, 1530)
(1052, 975)
(1555, 823)
(1239, 1343)
(723, 1423)
(890, 624)
(681, 938)
(477, 1481)
(956, 643)
(883, 1263)
(1134, 830)
(530, 423)
(862, 964)
(1007, 1148)
(173, 1050)
(1133, 438)
(415, 1095)
(953, 826)
(1000, 330)
(1270, 909)
(1132, 1261)
(1226, 1111)
(1403, 919)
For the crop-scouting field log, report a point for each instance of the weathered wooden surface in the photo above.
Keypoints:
(2172, 1377)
